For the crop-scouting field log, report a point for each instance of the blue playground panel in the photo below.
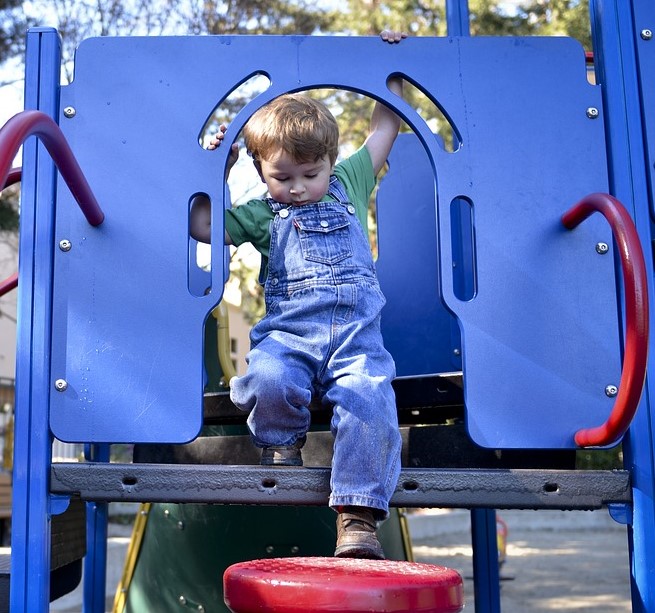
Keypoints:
(538, 320)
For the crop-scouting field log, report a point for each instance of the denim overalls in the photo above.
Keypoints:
(321, 334)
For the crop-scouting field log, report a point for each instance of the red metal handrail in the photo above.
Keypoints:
(8, 284)
(13, 176)
(635, 357)
(35, 123)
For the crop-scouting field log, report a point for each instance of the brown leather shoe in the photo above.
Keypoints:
(283, 455)
(356, 536)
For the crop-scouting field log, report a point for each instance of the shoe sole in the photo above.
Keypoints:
(359, 551)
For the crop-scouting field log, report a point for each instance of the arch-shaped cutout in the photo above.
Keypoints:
(433, 114)
(352, 109)
(340, 100)
(241, 181)
(223, 113)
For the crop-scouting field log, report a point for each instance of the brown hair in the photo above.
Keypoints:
(301, 126)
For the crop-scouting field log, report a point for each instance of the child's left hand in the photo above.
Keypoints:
(216, 142)
(391, 36)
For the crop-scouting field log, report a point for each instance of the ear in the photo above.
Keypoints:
(258, 166)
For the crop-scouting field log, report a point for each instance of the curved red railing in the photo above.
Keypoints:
(8, 284)
(635, 358)
(35, 123)
(13, 176)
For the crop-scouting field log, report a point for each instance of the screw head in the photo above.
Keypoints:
(182, 600)
(611, 391)
(593, 112)
(602, 248)
(69, 112)
(65, 244)
(61, 385)
(646, 34)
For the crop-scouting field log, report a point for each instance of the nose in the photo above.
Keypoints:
(297, 188)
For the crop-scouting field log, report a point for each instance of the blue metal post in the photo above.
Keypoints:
(457, 17)
(95, 562)
(617, 42)
(483, 521)
(485, 561)
(30, 565)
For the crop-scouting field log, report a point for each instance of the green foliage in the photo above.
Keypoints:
(370, 17)
(600, 459)
(12, 28)
(428, 18)
(559, 18)
(9, 211)
(259, 17)
(488, 20)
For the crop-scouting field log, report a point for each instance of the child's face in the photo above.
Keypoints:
(289, 182)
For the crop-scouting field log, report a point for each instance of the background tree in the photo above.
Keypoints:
(12, 28)
(559, 18)
(12, 31)
(79, 19)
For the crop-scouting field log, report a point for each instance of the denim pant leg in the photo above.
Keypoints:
(278, 385)
(367, 447)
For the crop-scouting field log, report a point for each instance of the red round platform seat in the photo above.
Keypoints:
(341, 585)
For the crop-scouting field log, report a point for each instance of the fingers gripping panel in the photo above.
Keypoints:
(539, 335)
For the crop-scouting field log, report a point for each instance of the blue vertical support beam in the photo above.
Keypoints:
(485, 560)
(95, 562)
(30, 577)
(483, 521)
(457, 18)
(616, 43)
(486, 581)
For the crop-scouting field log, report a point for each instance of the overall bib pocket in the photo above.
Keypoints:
(326, 238)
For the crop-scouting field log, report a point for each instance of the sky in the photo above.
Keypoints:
(11, 94)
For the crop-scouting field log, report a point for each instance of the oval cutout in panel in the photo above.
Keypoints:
(462, 230)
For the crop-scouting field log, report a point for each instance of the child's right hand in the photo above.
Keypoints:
(216, 141)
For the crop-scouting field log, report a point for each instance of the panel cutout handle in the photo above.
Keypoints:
(462, 234)
(199, 280)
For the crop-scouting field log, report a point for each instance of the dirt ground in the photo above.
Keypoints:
(565, 561)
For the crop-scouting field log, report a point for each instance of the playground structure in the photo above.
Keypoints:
(509, 304)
